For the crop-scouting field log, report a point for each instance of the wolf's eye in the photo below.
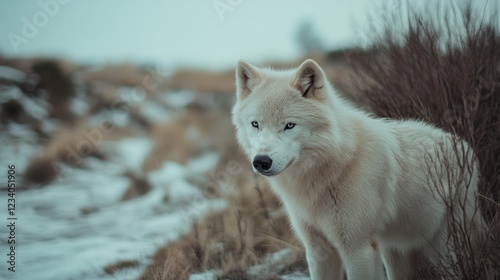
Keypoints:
(289, 126)
(255, 124)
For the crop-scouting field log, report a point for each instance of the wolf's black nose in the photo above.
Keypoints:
(262, 163)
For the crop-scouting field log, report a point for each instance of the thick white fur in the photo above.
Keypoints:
(361, 192)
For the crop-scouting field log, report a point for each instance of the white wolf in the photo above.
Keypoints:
(361, 193)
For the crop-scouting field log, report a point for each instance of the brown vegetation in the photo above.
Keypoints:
(139, 186)
(196, 129)
(68, 145)
(450, 79)
(112, 268)
(232, 241)
(118, 75)
(59, 87)
(335, 64)
(41, 170)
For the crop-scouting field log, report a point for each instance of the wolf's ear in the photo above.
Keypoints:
(247, 78)
(310, 80)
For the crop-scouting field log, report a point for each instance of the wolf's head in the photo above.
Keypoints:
(281, 116)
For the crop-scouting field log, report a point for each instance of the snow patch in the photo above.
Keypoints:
(132, 151)
(180, 98)
(12, 74)
(208, 275)
(35, 107)
(79, 105)
(119, 118)
(155, 112)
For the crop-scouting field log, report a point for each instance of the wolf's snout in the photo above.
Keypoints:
(262, 163)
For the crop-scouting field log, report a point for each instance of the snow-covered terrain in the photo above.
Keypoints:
(75, 226)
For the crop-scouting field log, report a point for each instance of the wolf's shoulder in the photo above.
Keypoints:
(415, 128)
(414, 135)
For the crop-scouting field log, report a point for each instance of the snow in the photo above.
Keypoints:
(203, 163)
(208, 275)
(179, 98)
(11, 73)
(168, 171)
(49, 126)
(17, 146)
(118, 117)
(20, 131)
(77, 225)
(79, 105)
(155, 112)
(271, 263)
(131, 151)
(35, 107)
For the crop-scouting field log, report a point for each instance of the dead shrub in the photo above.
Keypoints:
(139, 186)
(59, 86)
(445, 69)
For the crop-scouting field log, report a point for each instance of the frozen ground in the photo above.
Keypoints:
(75, 226)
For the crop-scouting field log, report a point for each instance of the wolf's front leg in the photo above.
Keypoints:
(322, 258)
(364, 263)
(324, 263)
(398, 265)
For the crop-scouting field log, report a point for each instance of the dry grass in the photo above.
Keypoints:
(139, 186)
(112, 268)
(193, 131)
(58, 85)
(335, 64)
(231, 241)
(41, 170)
(118, 75)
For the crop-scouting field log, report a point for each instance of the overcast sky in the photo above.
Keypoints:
(204, 33)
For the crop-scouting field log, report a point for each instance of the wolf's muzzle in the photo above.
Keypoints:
(262, 163)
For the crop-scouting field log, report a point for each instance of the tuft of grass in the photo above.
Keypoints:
(59, 86)
(41, 170)
(113, 268)
(138, 187)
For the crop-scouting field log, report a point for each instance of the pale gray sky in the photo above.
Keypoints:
(175, 32)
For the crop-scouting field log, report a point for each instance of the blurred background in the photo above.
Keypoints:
(208, 34)
(116, 115)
